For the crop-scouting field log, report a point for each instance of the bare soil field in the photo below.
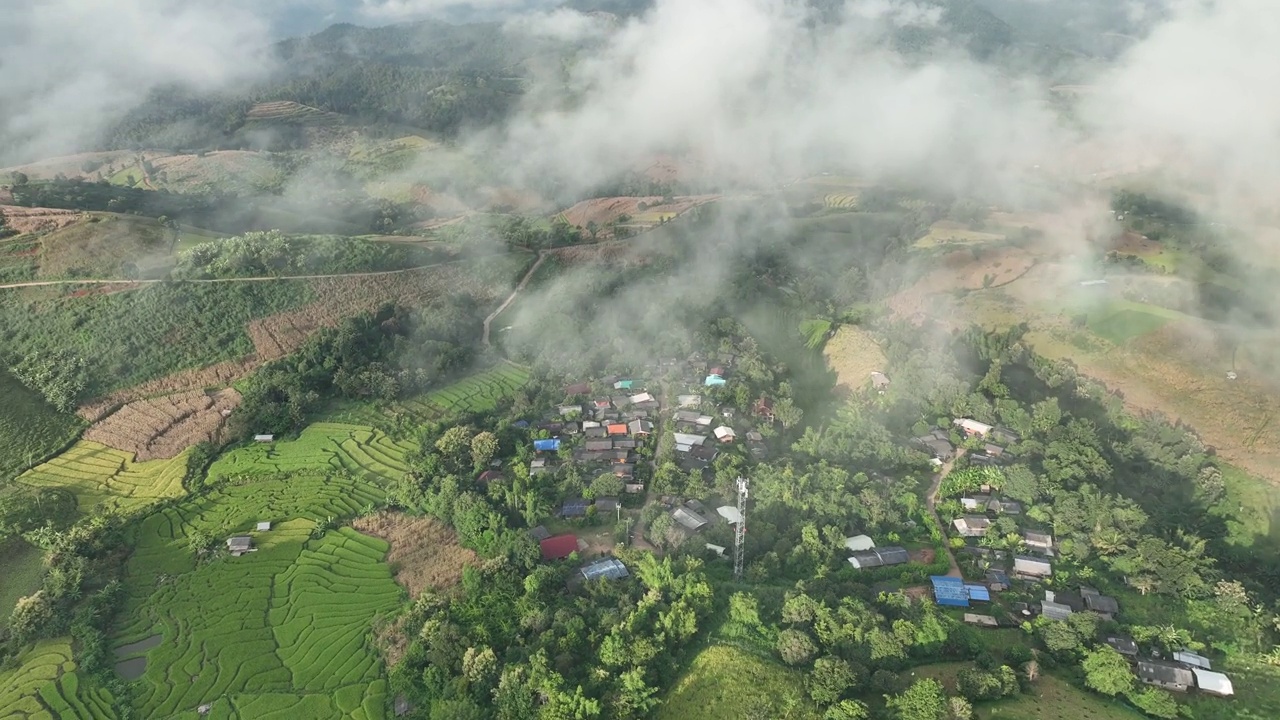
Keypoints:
(219, 375)
(854, 355)
(73, 165)
(31, 220)
(603, 211)
(189, 172)
(425, 554)
(103, 245)
(962, 270)
(161, 428)
(440, 203)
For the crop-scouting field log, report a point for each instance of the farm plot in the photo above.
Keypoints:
(43, 680)
(840, 201)
(320, 448)
(163, 427)
(35, 219)
(103, 477)
(854, 354)
(479, 393)
(30, 429)
(425, 552)
(277, 631)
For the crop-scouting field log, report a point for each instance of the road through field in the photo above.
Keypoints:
(542, 255)
(265, 278)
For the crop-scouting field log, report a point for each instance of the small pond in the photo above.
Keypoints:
(133, 667)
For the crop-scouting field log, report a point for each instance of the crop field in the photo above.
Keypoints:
(362, 450)
(853, 353)
(840, 201)
(43, 679)
(102, 477)
(30, 429)
(21, 568)
(949, 233)
(723, 681)
(275, 633)
(289, 111)
(1121, 321)
(161, 428)
(477, 393)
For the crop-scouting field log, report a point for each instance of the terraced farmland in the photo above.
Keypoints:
(99, 476)
(478, 393)
(840, 201)
(44, 679)
(275, 633)
(357, 449)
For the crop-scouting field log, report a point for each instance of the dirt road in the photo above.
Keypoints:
(542, 255)
(932, 502)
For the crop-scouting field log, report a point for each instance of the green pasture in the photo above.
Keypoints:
(1052, 698)
(357, 449)
(30, 428)
(21, 569)
(103, 477)
(1119, 321)
(725, 682)
(42, 684)
(276, 632)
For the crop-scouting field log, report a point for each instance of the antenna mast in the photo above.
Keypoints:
(740, 532)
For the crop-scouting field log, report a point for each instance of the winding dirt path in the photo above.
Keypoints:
(524, 281)
(932, 503)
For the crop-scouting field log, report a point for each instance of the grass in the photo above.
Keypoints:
(276, 633)
(358, 449)
(107, 246)
(43, 684)
(480, 392)
(30, 428)
(949, 233)
(103, 477)
(1251, 509)
(21, 569)
(854, 355)
(815, 332)
(1052, 698)
(724, 682)
(1254, 682)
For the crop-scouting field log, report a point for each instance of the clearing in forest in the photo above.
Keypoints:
(1053, 699)
(723, 681)
(43, 679)
(424, 552)
(101, 477)
(321, 447)
(279, 630)
(854, 355)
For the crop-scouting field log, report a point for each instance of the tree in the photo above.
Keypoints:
(961, 709)
(788, 413)
(20, 178)
(30, 616)
(484, 446)
(454, 441)
(847, 710)
(1154, 702)
(796, 647)
(744, 610)
(830, 678)
(1059, 638)
(1106, 671)
(606, 485)
(924, 700)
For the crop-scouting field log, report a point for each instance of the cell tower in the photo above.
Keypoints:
(740, 532)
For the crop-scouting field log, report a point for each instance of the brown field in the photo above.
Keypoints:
(188, 172)
(963, 270)
(603, 211)
(424, 554)
(616, 253)
(441, 203)
(220, 375)
(163, 427)
(102, 247)
(854, 355)
(70, 165)
(30, 220)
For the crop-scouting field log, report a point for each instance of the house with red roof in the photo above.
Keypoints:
(559, 547)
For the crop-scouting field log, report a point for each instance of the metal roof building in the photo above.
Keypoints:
(879, 557)
(1214, 683)
(558, 547)
(546, 445)
(858, 543)
(949, 591)
(608, 568)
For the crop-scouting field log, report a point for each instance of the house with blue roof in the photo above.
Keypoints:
(546, 445)
(713, 380)
(954, 592)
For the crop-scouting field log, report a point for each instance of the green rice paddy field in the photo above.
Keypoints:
(477, 393)
(44, 684)
(279, 632)
(103, 477)
(321, 447)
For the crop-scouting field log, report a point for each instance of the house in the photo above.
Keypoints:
(858, 543)
(640, 428)
(626, 471)
(949, 591)
(606, 505)
(688, 440)
(936, 444)
(879, 381)
(983, 620)
(879, 557)
(975, 502)
(623, 384)
(488, 476)
(642, 399)
(971, 525)
(696, 506)
(264, 526)
(717, 549)
(713, 381)
(1038, 541)
(973, 428)
(539, 533)
(716, 370)
(577, 389)
(978, 593)
(239, 545)
(688, 519)
(755, 437)
(558, 547)
(546, 445)
(724, 434)
(1165, 675)
(633, 488)
(1004, 507)
(595, 431)
(263, 438)
(688, 401)
(571, 428)
(993, 450)
(687, 416)
(597, 445)
(616, 428)
(537, 466)
(1065, 597)
(1123, 645)
(1104, 605)
(574, 508)
(763, 409)
(1186, 657)
(730, 513)
(606, 569)
(1213, 683)
(569, 410)
(1030, 568)
(1055, 611)
(624, 444)
(997, 580)
(1005, 435)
